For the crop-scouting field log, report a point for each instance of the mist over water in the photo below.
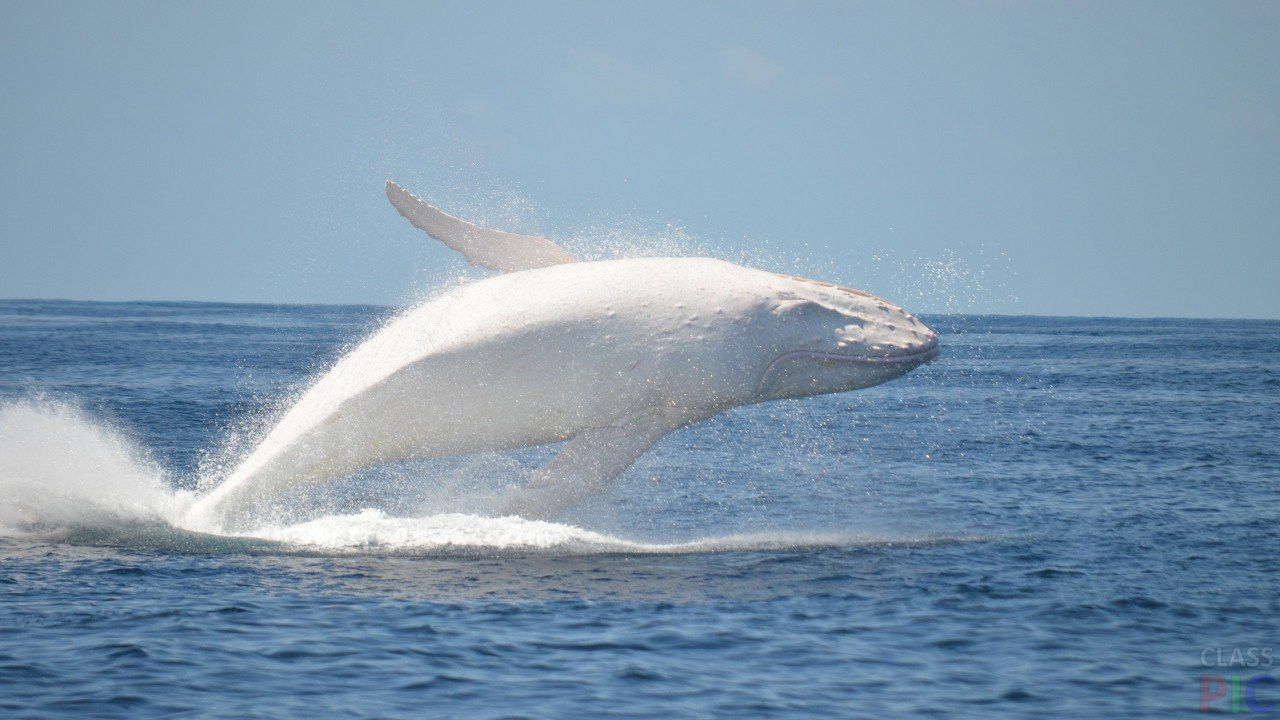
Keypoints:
(60, 469)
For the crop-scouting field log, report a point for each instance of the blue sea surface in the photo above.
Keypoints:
(1069, 517)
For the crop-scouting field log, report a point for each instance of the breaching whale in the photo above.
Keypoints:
(609, 356)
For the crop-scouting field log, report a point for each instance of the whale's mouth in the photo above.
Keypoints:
(810, 372)
(913, 356)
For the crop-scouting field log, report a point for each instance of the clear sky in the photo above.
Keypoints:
(1118, 158)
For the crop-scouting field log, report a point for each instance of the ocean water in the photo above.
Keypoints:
(1063, 516)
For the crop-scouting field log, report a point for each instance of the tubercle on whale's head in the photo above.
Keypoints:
(830, 339)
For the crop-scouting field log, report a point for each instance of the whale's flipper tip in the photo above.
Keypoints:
(493, 249)
(395, 193)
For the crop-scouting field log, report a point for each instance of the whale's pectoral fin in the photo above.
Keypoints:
(494, 249)
(585, 465)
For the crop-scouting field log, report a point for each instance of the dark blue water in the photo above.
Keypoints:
(1059, 517)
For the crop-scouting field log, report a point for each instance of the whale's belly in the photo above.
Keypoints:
(505, 391)
(489, 398)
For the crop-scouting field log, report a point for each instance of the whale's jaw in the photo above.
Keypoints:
(802, 373)
(910, 359)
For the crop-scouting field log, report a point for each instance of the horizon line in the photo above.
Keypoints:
(390, 306)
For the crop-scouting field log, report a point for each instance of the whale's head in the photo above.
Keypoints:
(823, 338)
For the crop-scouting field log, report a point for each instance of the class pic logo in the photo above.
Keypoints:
(1245, 681)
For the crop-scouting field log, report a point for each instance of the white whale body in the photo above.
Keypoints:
(608, 355)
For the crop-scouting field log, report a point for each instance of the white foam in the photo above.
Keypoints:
(373, 529)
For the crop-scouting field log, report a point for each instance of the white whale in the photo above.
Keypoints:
(609, 356)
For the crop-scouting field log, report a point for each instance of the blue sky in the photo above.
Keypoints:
(1057, 158)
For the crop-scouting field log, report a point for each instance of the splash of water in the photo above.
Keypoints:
(66, 475)
(61, 469)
